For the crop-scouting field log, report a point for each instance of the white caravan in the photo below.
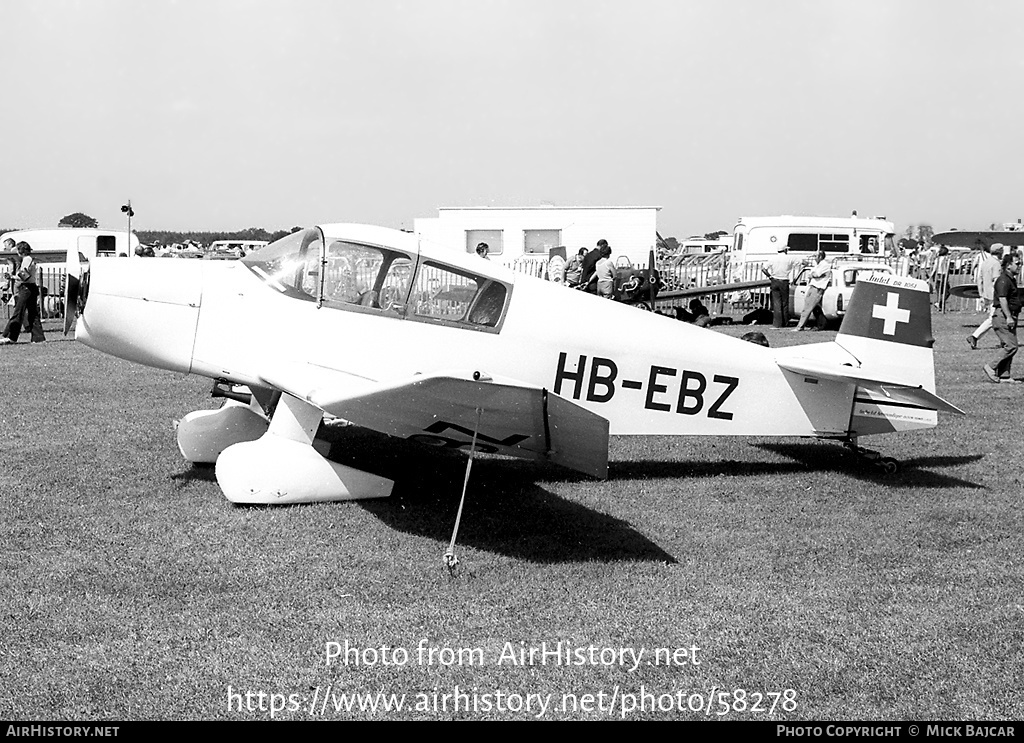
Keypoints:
(757, 239)
(89, 241)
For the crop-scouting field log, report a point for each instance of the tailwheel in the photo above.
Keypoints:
(888, 465)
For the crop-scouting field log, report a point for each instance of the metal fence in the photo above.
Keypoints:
(698, 270)
(51, 304)
(712, 269)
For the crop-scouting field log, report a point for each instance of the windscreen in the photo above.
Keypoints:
(291, 265)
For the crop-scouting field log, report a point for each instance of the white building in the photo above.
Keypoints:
(518, 233)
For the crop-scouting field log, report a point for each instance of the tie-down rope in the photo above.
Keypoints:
(450, 558)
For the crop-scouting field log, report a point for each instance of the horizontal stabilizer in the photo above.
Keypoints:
(895, 391)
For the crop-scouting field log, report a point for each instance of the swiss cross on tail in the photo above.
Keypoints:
(890, 308)
(890, 313)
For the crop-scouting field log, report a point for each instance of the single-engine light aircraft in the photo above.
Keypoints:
(367, 325)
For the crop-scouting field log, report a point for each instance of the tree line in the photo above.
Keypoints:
(170, 237)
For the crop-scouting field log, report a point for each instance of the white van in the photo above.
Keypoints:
(758, 239)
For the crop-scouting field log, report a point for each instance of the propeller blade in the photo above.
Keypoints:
(76, 286)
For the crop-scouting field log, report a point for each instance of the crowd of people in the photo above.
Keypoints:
(996, 271)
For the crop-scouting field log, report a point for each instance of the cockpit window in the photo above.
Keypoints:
(291, 265)
(366, 276)
(448, 294)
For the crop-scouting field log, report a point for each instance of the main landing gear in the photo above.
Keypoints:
(888, 465)
(261, 461)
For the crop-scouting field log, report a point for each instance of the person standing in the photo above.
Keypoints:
(939, 277)
(13, 269)
(604, 272)
(590, 264)
(574, 269)
(26, 296)
(988, 271)
(1004, 320)
(778, 270)
(820, 276)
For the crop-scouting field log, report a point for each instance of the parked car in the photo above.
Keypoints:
(836, 299)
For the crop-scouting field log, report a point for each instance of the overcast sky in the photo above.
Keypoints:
(226, 114)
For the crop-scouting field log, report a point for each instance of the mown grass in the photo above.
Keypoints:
(132, 590)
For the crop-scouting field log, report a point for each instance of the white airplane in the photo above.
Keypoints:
(367, 325)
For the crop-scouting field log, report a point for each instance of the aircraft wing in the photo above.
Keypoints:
(970, 291)
(978, 240)
(440, 409)
(895, 391)
(700, 291)
(965, 291)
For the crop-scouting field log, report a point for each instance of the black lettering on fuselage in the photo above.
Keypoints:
(654, 388)
(601, 380)
(576, 376)
(731, 383)
(695, 393)
(601, 387)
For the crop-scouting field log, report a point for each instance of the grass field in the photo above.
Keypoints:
(131, 589)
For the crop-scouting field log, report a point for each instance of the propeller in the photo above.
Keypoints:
(76, 288)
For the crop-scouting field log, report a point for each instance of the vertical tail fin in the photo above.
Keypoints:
(888, 329)
(889, 308)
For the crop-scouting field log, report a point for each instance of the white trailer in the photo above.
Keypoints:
(759, 238)
(90, 242)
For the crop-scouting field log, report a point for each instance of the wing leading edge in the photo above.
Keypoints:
(440, 409)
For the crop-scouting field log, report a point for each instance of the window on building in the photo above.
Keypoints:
(539, 242)
(493, 238)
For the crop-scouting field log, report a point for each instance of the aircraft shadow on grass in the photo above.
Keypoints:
(812, 456)
(512, 517)
(506, 511)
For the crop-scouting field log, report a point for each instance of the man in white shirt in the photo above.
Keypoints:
(988, 271)
(821, 274)
(778, 270)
